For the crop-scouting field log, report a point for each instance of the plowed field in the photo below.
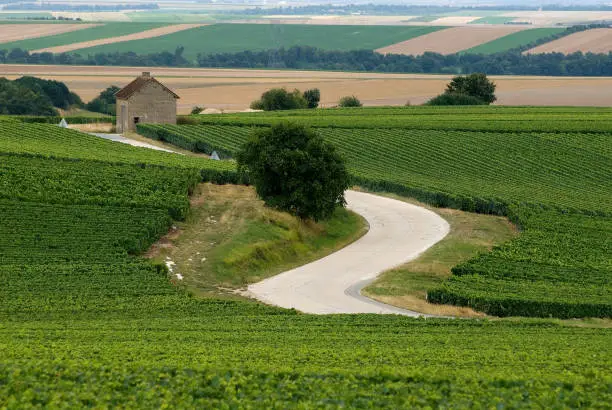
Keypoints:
(15, 32)
(591, 41)
(449, 41)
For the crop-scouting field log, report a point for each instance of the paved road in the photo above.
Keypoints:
(124, 140)
(398, 233)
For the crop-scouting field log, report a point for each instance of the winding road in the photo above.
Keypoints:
(399, 232)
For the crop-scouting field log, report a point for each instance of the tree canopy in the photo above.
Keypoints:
(105, 103)
(17, 99)
(295, 170)
(475, 85)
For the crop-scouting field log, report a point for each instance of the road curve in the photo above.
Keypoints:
(398, 233)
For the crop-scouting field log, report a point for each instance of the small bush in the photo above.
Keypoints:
(455, 99)
(278, 99)
(312, 97)
(196, 110)
(349, 101)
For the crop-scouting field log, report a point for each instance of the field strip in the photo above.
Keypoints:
(17, 32)
(156, 32)
(399, 232)
(590, 41)
(450, 41)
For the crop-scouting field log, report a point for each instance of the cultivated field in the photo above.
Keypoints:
(590, 41)
(450, 41)
(14, 32)
(514, 40)
(227, 38)
(148, 34)
(98, 32)
(551, 18)
(235, 89)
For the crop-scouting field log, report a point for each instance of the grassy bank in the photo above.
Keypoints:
(231, 239)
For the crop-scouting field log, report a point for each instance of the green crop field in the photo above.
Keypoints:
(86, 322)
(95, 33)
(561, 177)
(227, 38)
(493, 20)
(513, 40)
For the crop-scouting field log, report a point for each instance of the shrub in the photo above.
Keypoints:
(349, 101)
(455, 99)
(295, 170)
(104, 103)
(280, 99)
(197, 110)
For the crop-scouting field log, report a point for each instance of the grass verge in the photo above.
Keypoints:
(231, 239)
(406, 286)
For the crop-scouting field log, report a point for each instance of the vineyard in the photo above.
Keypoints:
(555, 186)
(86, 322)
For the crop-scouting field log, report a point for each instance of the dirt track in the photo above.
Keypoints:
(235, 89)
(17, 32)
(156, 32)
(590, 41)
(451, 40)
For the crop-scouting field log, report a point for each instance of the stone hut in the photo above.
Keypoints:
(145, 100)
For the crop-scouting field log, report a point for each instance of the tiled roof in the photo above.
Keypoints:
(138, 84)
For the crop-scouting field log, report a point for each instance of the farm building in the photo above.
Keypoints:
(145, 100)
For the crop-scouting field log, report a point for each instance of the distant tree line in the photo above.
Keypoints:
(404, 10)
(79, 7)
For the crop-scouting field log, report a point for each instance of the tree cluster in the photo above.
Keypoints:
(35, 96)
(295, 170)
(105, 103)
(280, 99)
(473, 89)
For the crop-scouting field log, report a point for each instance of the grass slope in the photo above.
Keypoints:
(227, 38)
(84, 322)
(493, 20)
(95, 33)
(513, 40)
(230, 239)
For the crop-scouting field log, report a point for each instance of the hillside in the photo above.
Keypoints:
(518, 163)
(84, 321)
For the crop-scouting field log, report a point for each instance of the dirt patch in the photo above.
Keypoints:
(590, 41)
(450, 41)
(156, 32)
(102, 127)
(17, 32)
(454, 20)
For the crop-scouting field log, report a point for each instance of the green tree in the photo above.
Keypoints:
(16, 99)
(349, 101)
(280, 99)
(57, 92)
(312, 97)
(105, 103)
(295, 170)
(477, 85)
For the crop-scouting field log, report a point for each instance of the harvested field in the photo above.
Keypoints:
(156, 32)
(235, 89)
(450, 41)
(590, 41)
(15, 32)
(454, 20)
(551, 18)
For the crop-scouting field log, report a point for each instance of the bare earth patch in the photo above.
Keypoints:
(232, 89)
(156, 32)
(451, 40)
(591, 41)
(17, 32)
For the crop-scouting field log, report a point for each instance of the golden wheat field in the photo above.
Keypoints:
(230, 89)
